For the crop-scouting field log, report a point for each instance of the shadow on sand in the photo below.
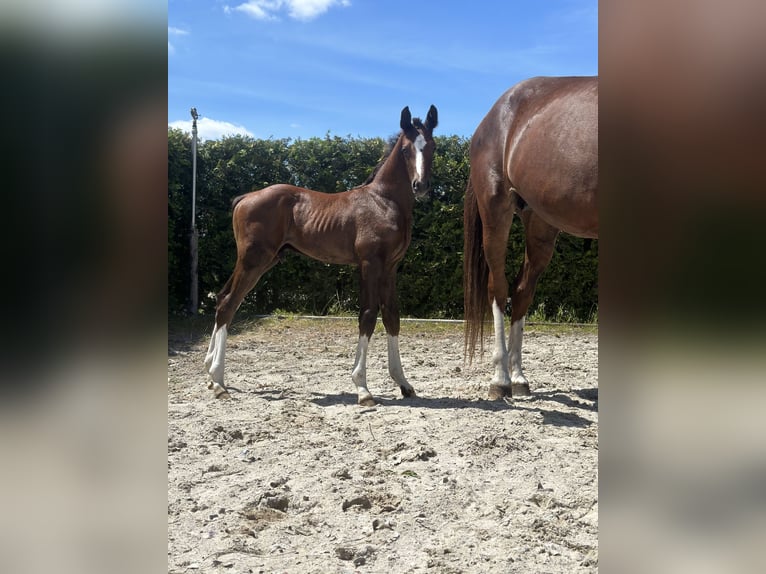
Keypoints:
(551, 417)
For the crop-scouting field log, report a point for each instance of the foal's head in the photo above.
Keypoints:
(418, 148)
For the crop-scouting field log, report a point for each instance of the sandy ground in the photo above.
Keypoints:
(291, 475)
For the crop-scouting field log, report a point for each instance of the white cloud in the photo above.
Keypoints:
(173, 31)
(297, 9)
(210, 129)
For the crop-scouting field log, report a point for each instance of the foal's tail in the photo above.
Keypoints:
(475, 275)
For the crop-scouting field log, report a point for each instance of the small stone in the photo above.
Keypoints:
(379, 524)
(277, 503)
(361, 501)
(344, 553)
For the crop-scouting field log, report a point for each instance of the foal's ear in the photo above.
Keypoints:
(406, 122)
(432, 119)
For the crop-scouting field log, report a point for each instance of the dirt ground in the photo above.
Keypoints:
(291, 475)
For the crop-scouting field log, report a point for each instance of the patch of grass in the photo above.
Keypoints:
(561, 328)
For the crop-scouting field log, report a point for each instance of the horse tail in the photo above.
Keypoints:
(475, 275)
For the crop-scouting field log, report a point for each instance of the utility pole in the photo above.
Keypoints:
(194, 295)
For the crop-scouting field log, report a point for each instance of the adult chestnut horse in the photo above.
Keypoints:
(369, 226)
(535, 154)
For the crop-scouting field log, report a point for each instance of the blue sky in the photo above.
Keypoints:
(303, 68)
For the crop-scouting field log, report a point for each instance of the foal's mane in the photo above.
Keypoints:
(389, 148)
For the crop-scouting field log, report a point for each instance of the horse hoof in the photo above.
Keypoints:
(521, 390)
(367, 401)
(407, 393)
(499, 392)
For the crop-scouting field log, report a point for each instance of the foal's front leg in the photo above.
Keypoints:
(368, 315)
(395, 367)
(359, 373)
(390, 310)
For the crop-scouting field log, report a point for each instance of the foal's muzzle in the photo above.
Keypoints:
(420, 188)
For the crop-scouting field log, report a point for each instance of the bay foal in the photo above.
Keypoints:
(369, 226)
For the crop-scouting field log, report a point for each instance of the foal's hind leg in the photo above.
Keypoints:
(540, 239)
(390, 311)
(211, 347)
(247, 272)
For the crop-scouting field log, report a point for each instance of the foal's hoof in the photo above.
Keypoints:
(219, 391)
(407, 393)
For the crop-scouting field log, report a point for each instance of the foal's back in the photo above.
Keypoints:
(336, 228)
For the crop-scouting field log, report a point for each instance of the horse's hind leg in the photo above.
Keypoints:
(390, 312)
(497, 215)
(540, 239)
(247, 272)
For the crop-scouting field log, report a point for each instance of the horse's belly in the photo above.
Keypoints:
(579, 219)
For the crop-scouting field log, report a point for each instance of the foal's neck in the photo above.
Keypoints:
(392, 179)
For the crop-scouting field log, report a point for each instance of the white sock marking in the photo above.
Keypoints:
(359, 374)
(210, 349)
(500, 356)
(395, 361)
(395, 367)
(219, 351)
(514, 344)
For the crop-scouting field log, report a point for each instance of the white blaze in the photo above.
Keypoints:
(420, 144)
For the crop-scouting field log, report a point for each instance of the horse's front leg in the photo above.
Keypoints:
(390, 311)
(368, 315)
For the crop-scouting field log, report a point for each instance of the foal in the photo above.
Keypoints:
(369, 226)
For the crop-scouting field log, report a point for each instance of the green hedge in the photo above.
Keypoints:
(430, 276)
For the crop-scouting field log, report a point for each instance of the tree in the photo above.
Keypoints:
(179, 218)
